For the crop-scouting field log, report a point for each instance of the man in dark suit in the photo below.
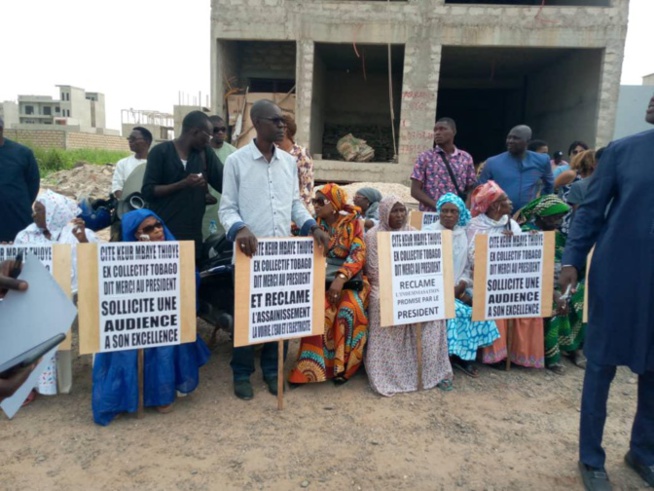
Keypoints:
(621, 289)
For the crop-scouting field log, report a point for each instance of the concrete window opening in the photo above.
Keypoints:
(29, 109)
(544, 3)
(351, 95)
(489, 90)
(266, 69)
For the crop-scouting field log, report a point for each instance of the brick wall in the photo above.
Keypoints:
(38, 138)
(56, 138)
(90, 140)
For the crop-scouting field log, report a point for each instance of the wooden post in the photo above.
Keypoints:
(419, 353)
(280, 375)
(509, 342)
(139, 413)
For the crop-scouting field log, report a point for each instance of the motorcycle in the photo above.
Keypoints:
(216, 292)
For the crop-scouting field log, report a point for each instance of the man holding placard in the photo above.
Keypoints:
(260, 199)
(620, 289)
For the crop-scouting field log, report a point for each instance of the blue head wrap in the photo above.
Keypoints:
(464, 214)
(132, 221)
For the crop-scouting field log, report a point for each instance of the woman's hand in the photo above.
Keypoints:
(335, 290)
(508, 233)
(460, 289)
(79, 230)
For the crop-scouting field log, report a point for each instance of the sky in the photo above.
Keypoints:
(142, 53)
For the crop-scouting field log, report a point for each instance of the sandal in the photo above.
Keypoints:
(445, 385)
(466, 367)
(579, 359)
(30, 397)
(557, 368)
(168, 408)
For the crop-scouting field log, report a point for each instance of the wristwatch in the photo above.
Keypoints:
(341, 276)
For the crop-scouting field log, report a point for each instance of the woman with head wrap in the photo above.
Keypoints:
(56, 222)
(490, 212)
(566, 330)
(168, 371)
(337, 354)
(391, 356)
(464, 337)
(368, 200)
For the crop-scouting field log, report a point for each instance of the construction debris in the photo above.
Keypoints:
(84, 180)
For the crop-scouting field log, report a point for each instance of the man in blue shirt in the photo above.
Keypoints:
(19, 185)
(519, 171)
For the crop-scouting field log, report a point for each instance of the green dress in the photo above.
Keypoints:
(563, 333)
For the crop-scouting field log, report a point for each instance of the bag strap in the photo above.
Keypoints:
(451, 173)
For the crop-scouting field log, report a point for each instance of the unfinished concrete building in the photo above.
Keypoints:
(387, 69)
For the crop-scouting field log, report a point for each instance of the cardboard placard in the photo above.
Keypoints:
(514, 276)
(416, 277)
(420, 219)
(135, 295)
(57, 260)
(280, 292)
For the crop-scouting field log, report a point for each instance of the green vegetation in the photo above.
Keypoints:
(55, 159)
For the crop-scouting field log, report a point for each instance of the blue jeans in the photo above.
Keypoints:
(597, 382)
(243, 361)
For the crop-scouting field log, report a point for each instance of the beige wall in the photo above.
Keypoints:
(66, 139)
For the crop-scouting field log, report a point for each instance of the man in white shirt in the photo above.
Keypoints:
(260, 198)
(139, 140)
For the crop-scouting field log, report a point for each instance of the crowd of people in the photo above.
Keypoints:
(199, 182)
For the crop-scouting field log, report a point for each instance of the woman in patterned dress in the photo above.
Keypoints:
(490, 211)
(391, 356)
(565, 331)
(337, 354)
(464, 336)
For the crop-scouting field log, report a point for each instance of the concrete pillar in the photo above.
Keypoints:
(422, 59)
(304, 61)
(608, 94)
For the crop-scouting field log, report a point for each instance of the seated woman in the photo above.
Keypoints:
(566, 330)
(391, 356)
(464, 337)
(368, 200)
(168, 370)
(338, 353)
(55, 222)
(490, 211)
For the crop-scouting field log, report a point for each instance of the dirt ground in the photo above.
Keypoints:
(503, 431)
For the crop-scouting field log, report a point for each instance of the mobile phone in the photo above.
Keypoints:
(18, 266)
(30, 356)
(566, 296)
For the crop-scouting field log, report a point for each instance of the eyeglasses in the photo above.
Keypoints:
(219, 129)
(150, 228)
(276, 121)
(319, 201)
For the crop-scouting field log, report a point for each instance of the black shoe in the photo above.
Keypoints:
(594, 479)
(243, 389)
(271, 382)
(644, 471)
